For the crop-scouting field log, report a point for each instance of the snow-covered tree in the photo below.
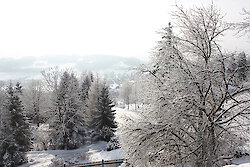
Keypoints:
(84, 90)
(92, 102)
(51, 81)
(2, 99)
(9, 154)
(99, 113)
(195, 114)
(52, 78)
(135, 98)
(243, 27)
(35, 102)
(67, 124)
(242, 67)
(238, 67)
(103, 118)
(85, 86)
(126, 92)
(16, 133)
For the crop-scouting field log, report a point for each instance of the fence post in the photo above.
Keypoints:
(102, 163)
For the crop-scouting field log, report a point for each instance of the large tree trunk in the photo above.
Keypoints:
(200, 143)
(211, 144)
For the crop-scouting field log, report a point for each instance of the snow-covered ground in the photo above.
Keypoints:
(106, 155)
(122, 115)
(95, 152)
(240, 162)
(87, 153)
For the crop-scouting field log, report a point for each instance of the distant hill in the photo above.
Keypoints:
(29, 67)
(107, 63)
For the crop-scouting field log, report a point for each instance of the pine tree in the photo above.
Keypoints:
(76, 123)
(7, 143)
(16, 130)
(92, 102)
(85, 87)
(68, 127)
(103, 118)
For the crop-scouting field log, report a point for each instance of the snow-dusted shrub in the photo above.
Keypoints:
(103, 134)
(113, 144)
(13, 158)
(40, 137)
(57, 162)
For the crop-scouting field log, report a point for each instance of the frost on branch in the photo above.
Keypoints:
(196, 107)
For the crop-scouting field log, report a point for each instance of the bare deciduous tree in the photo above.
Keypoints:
(125, 93)
(244, 26)
(35, 102)
(196, 114)
(52, 78)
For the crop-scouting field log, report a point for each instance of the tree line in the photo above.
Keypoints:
(75, 110)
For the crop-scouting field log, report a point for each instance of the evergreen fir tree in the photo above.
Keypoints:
(103, 118)
(8, 149)
(75, 115)
(16, 130)
(68, 125)
(92, 103)
(84, 92)
(85, 87)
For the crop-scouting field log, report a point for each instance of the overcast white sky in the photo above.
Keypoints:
(89, 27)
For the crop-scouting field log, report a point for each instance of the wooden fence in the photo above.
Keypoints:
(109, 163)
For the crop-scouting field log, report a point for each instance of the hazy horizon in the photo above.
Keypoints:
(61, 28)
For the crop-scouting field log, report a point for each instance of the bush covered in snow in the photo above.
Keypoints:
(113, 144)
(57, 162)
(40, 137)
